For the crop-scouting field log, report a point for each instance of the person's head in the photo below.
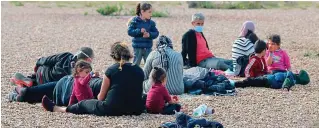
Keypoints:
(260, 47)
(82, 68)
(144, 10)
(247, 28)
(274, 42)
(158, 76)
(85, 53)
(198, 22)
(120, 53)
(164, 41)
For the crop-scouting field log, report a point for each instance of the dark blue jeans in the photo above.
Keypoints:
(34, 94)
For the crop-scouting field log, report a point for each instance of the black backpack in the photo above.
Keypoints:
(242, 62)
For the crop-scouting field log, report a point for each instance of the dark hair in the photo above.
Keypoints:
(143, 6)
(251, 36)
(275, 38)
(84, 53)
(158, 75)
(260, 46)
(120, 52)
(82, 65)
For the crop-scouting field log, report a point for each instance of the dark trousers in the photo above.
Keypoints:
(93, 106)
(261, 81)
(34, 94)
(169, 109)
(99, 108)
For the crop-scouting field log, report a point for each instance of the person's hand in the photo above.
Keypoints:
(96, 74)
(143, 30)
(175, 98)
(146, 35)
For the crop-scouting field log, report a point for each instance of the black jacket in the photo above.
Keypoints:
(189, 47)
(53, 68)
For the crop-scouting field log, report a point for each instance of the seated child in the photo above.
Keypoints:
(257, 64)
(158, 95)
(82, 76)
(257, 73)
(276, 81)
(277, 58)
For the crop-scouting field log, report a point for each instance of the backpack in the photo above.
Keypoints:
(242, 62)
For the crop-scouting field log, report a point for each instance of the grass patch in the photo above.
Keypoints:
(86, 13)
(171, 3)
(307, 54)
(44, 6)
(226, 5)
(249, 4)
(60, 5)
(110, 10)
(159, 14)
(17, 3)
(129, 12)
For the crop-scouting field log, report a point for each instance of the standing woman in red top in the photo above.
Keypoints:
(195, 46)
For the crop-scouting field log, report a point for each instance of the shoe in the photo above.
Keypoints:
(302, 78)
(47, 104)
(20, 90)
(14, 96)
(228, 85)
(287, 84)
(20, 80)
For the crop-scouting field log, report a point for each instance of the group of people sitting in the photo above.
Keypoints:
(66, 82)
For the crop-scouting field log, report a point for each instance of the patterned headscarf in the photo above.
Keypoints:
(163, 43)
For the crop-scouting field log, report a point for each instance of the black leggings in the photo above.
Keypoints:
(92, 106)
(169, 109)
(100, 108)
(260, 81)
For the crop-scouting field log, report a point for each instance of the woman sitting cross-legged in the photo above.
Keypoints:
(121, 90)
(171, 61)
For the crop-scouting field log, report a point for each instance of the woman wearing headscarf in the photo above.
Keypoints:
(165, 57)
(244, 44)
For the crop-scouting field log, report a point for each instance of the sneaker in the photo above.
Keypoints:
(20, 90)
(20, 80)
(14, 96)
(47, 104)
(228, 85)
(287, 84)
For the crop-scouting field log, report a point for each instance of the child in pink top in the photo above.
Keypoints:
(82, 76)
(277, 59)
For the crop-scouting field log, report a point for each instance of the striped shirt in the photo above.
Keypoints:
(241, 47)
(175, 84)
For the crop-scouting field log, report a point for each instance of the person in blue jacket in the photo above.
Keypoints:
(143, 30)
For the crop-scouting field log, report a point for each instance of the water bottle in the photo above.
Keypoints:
(202, 109)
